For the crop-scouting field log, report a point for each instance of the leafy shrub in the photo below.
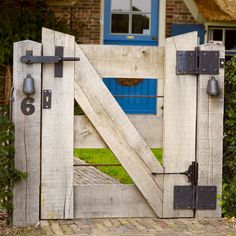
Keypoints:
(229, 168)
(23, 19)
(8, 174)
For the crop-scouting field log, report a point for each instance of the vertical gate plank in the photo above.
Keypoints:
(179, 122)
(27, 138)
(57, 132)
(210, 134)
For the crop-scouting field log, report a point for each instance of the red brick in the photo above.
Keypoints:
(177, 12)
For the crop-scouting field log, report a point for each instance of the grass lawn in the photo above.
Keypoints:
(105, 156)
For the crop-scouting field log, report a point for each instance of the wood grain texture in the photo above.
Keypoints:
(103, 201)
(117, 131)
(86, 136)
(57, 132)
(179, 122)
(126, 61)
(210, 115)
(27, 138)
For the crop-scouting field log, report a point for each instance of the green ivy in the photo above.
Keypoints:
(23, 19)
(8, 174)
(229, 171)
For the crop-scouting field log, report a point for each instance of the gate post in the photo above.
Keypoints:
(27, 136)
(209, 153)
(58, 130)
(179, 128)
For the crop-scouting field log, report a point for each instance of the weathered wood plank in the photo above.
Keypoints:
(179, 122)
(57, 132)
(117, 131)
(210, 134)
(86, 136)
(101, 201)
(27, 138)
(126, 61)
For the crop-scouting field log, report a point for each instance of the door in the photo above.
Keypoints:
(177, 29)
(132, 22)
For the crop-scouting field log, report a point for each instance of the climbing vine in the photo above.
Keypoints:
(8, 174)
(229, 171)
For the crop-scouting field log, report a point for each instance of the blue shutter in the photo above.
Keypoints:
(137, 105)
(177, 29)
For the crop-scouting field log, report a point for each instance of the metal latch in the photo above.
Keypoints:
(194, 196)
(198, 62)
(57, 60)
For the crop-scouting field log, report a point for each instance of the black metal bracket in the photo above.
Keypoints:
(198, 62)
(47, 99)
(194, 196)
(57, 60)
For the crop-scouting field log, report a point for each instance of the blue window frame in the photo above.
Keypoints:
(131, 35)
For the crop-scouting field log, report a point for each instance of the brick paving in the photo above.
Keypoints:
(139, 227)
(88, 175)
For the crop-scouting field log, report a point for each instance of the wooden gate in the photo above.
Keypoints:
(190, 130)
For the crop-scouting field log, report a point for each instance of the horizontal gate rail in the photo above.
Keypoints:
(110, 200)
(112, 61)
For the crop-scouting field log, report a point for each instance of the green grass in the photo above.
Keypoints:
(105, 156)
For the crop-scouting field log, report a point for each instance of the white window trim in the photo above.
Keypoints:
(217, 24)
(222, 25)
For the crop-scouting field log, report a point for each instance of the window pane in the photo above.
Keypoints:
(140, 24)
(217, 35)
(141, 5)
(120, 5)
(230, 39)
(120, 23)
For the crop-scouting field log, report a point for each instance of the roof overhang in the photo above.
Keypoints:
(213, 10)
(194, 10)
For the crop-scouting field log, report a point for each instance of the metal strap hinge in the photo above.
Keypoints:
(57, 60)
(194, 196)
(198, 62)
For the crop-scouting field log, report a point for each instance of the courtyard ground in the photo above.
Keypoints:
(127, 227)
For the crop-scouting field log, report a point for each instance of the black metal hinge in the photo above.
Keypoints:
(198, 62)
(194, 196)
(57, 60)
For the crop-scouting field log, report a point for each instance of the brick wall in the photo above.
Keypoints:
(177, 12)
(83, 19)
(84, 16)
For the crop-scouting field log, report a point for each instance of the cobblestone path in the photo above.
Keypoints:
(139, 227)
(88, 175)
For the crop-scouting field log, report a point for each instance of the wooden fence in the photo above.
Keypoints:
(190, 130)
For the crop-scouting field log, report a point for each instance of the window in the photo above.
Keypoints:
(227, 36)
(130, 17)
